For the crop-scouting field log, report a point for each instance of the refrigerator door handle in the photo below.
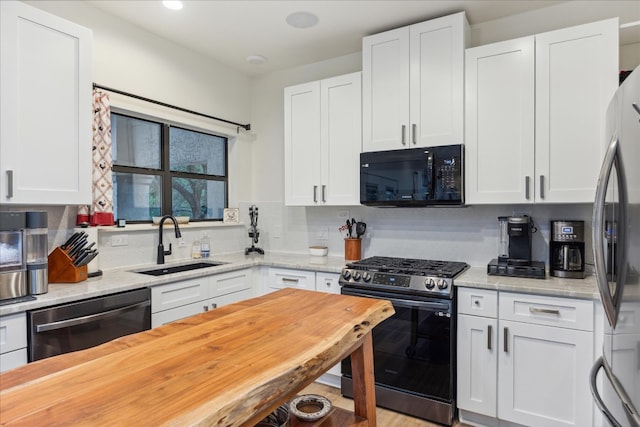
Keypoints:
(610, 300)
(618, 389)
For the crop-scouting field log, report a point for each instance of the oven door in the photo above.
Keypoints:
(413, 350)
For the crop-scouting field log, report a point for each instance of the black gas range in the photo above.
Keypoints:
(414, 350)
(405, 275)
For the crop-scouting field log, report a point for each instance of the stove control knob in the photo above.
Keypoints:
(356, 276)
(442, 284)
(366, 277)
(346, 275)
(430, 283)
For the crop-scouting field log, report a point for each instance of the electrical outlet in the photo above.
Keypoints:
(121, 240)
(182, 243)
(323, 234)
(343, 214)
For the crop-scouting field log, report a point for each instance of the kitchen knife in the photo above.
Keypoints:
(71, 240)
(82, 256)
(87, 259)
(77, 247)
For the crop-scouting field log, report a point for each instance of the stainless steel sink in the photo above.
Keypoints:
(161, 271)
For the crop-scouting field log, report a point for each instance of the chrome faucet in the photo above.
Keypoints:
(161, 251)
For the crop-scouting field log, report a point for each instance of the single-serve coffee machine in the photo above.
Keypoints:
(514, 249)
(566, 250)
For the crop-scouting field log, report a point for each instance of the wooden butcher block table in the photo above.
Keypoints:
(228, 367)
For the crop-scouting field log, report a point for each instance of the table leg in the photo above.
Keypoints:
(364, 394)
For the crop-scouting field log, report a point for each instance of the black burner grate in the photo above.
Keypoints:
(416, 267)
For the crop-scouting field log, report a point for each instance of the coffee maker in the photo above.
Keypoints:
(514, 250)
(566, 249)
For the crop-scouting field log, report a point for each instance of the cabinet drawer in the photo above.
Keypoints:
(328, 282)
(284, 278)
(13, 332)
(226, 283)
(176, 294)
(178, 313)
(549, 311)
(13, 359)
(478, 302)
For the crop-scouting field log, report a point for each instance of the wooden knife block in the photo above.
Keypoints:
(62, 270)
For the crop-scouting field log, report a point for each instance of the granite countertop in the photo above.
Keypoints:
(125, 279)
(119, 280)
(477, 277)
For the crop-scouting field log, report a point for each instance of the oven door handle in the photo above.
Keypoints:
(90, 318)
(432, 305)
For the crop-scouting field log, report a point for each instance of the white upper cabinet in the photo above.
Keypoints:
(322, 142)
(412, 85)
(535, 115)
(45, 108)
(576, 77)
(499, 147)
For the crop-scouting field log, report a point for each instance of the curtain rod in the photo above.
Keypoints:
(246, 127)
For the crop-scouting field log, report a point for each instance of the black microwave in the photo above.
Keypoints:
(414, 177)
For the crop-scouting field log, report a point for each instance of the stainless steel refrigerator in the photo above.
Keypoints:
(616, 252)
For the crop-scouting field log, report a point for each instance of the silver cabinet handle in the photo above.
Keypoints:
(205, 308)
(635, 107)
(414, 131)
(506, 340)
(9, 184)
(535, 310)
(286, 279)
(489, 336)
(324, 191)
(542, 186)
(90, 318)
(404, 131)
(214, 305)
(526, 187)
(315, 194)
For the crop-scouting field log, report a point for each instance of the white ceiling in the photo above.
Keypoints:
(229, 31)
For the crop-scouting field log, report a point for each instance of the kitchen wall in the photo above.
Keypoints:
(129, 59)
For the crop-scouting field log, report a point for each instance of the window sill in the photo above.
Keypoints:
(153, 227)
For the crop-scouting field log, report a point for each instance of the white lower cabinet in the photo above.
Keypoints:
(175, 301)
(328, 282)
(278, 278)
(13, 341)
(525, 361)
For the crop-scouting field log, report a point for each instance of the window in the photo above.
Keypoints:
(160, 168)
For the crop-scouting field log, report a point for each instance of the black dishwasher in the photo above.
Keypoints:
(83, 324)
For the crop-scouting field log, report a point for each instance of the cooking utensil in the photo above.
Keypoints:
(71, 240)
(361, 228)
(350, 225)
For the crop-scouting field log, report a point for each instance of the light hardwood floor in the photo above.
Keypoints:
(385, 417)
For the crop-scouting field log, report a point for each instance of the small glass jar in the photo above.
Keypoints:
(195, 250)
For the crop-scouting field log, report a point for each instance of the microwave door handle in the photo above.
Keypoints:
(90, 318)
(598, 221)
(430, 173)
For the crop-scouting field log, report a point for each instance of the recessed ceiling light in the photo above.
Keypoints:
(302, 19)
(256, 59)
(172, 4)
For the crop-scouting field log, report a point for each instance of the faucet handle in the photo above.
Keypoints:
(169, 251)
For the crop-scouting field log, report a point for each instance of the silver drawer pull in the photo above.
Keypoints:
(536, 310)
(286, 279)
(403, 135)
